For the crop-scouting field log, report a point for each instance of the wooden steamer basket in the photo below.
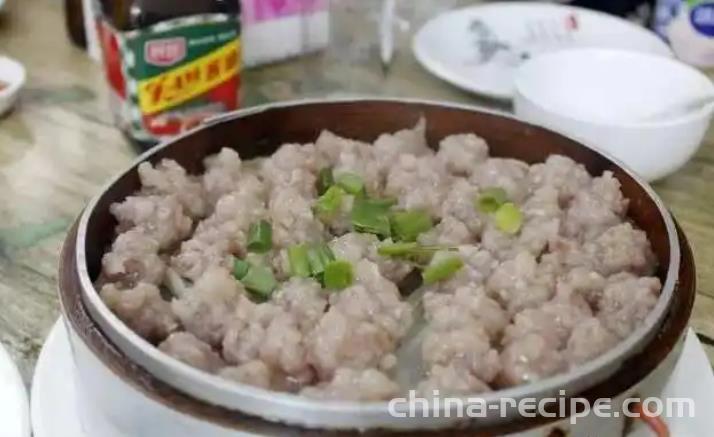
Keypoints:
(140, 391)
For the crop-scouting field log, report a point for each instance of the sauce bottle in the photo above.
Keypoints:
(74, 21)
(169, 63)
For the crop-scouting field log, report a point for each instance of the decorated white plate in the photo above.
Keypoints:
(478, 48)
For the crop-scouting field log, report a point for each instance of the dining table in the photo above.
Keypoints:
(59, 146)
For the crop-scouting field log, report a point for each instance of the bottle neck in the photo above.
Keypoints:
(148, 12)
(136, 14)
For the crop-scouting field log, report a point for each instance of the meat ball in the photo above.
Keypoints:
(462, 152)
(143, 309)
(283, 346)
(451, 380)
(542, 218)
(209, 249)
(583, 282)
(169, 178)
(448, 232)
(621, 248)
(418, 183)
(554, 321)
(588, 340)
(519, 283)
(478, 266)
(352, 246)
(595, 207)
(254, 373)
(294, 166)
(133, 258)
(330, 145)
(509, 174)
(543, 204)
(561, 173)
(566, 315)
(361, 161)
(355, 246)
(372, 288)
(390, 147)
(530, 321)
(362, 325)
(292, 218)
(223, 174)
(467, 346)
(304, 299)
(342, 341)
(529, 359)
(246, 330)
(466, 304)
(207, 308)
(187, 348)
(354, 385)
(159, 217)
(627, 301)
(459, 204)
(223, 233)
(244, 205)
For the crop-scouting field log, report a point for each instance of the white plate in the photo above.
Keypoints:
(692, 377)
(478, 48)
(54, 397)
(14, 411)
(12, 76)
(56, 403)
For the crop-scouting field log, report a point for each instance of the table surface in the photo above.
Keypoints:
(59, 146)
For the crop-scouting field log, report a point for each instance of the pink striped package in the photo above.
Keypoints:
(279, 29)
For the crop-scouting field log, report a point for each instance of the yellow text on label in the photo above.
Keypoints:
(188, 81)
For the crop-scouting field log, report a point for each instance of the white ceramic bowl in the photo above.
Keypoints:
(602, 96)
(12, 76)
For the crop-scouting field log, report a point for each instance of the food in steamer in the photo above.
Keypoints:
(308, 270)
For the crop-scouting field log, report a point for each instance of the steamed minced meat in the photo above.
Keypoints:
(292, 272)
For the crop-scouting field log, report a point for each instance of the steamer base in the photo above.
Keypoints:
(61, 405)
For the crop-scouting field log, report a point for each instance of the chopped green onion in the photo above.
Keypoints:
(329, 203)
(491, 199)
(325, 180)
(397, 249)
(407, 225)
(411, 251)
(338, 275)
(508, 218)
(441, 269)
(318, 257)
(240, 268)
(299, 263)
(260, 237)
(384, 202)
(370, 217)
(350, 182)
(260, 280)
